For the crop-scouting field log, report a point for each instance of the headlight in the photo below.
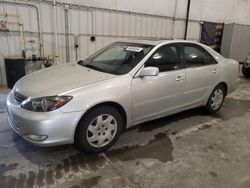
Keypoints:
(45, 104)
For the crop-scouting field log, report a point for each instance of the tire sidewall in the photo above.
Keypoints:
(80, 136)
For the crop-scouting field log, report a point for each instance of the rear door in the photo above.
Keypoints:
(202, 73)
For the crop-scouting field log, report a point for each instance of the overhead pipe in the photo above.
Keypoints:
(77, 37)
(91, 8)
(187, 20)
(84, 7)
(43, 33)
(123, 36)
(74, 36)
(41, 48)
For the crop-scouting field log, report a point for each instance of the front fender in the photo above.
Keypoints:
(117, 90)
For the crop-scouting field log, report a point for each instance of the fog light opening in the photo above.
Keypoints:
(37, 137)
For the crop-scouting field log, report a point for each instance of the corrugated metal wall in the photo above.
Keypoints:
(106, 25)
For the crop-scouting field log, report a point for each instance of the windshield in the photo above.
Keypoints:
(117, 58)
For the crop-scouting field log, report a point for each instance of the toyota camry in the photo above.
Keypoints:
(90, 102)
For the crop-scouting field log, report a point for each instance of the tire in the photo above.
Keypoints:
(216, 99)
(246, 71)
(98, 130)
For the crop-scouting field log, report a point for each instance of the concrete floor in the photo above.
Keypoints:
(190, 149)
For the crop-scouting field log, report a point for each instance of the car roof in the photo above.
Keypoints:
(156, 42)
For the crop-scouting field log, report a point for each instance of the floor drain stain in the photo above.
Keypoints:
(160, 148)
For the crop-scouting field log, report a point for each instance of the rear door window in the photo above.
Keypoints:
(195, 56)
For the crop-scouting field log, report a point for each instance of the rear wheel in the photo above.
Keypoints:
(216, 99)
(98, 130)
(246, 71)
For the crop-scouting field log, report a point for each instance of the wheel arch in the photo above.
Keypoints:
(224, 84)
(115, 105)
(207, 104)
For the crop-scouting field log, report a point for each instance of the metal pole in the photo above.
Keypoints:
(55, 32)
(66, 8)
(187, 19)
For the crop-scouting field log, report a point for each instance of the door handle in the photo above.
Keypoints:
(180, 78)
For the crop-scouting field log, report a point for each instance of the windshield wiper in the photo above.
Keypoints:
(94, 67)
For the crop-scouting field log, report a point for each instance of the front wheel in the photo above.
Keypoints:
(98, 130)
(216, 99)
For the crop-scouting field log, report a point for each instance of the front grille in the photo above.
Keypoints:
(19, 98)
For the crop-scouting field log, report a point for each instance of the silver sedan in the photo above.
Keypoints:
(90, 102)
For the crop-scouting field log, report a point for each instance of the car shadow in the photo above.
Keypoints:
(38, 155)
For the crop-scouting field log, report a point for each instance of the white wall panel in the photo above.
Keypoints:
(109, 26)
(194, 33)
(179, 29)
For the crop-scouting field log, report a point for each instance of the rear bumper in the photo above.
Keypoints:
(52, 128)
(232, 86)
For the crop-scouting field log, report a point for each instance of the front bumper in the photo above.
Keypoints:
(52, 128)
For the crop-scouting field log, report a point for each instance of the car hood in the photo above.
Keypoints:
(58, 79)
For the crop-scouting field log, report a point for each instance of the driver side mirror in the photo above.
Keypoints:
(149, 71)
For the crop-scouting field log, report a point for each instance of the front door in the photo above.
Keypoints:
(156, 96)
